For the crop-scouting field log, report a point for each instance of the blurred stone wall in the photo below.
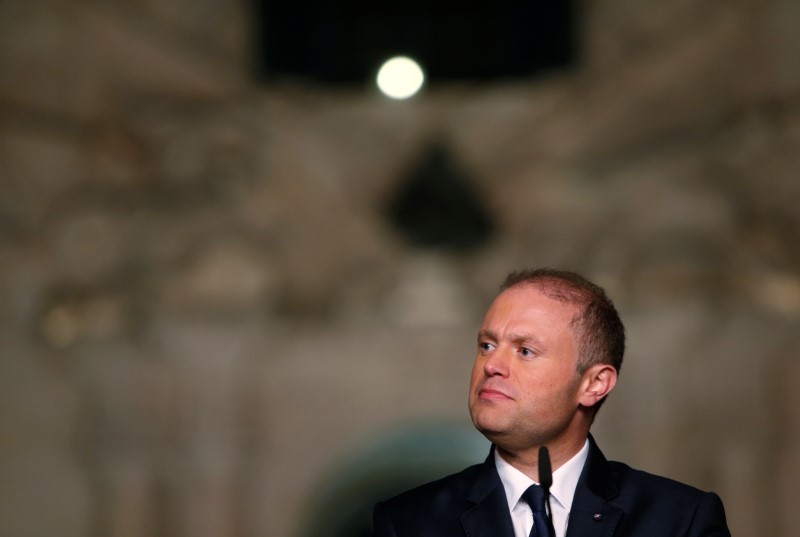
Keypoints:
(203, 309)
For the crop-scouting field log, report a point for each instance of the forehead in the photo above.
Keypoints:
(528, 304)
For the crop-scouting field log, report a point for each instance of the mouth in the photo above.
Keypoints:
(492, 395)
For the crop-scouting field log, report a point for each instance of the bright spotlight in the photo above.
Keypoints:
(400, 77)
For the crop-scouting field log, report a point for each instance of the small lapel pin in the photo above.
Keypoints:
(597, 517)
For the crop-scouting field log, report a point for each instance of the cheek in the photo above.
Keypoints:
(550, 395)
(565, 394)
(477, 372)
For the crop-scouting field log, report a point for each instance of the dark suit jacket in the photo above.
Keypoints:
(611, 499)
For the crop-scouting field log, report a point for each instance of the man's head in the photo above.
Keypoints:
(548, 354)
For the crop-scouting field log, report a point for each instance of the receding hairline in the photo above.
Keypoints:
(556, 288)
(588, 298)
(561, 292)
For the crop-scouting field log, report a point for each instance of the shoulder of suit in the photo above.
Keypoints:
(646, 484)
(446, 488)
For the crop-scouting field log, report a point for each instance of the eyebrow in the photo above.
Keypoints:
(486, 334)
(518, 337)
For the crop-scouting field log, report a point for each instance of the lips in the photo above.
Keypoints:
(493, 394)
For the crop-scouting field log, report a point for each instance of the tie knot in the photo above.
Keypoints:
(534, 497)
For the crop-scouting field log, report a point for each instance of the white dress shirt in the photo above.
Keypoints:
(565, 479)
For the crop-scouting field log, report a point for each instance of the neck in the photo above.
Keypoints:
(527, 460)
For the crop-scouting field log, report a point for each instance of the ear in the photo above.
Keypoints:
(598, 381)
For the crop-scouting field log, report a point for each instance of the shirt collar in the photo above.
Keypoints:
(565, 479)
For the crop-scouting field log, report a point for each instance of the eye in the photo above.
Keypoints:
(526, 353)
(485, 346)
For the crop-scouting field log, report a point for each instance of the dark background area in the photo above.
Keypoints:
(344, 41)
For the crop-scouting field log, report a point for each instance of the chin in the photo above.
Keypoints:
(492, 431)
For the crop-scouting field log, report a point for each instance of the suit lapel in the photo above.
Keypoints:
(592, 515)
(593, 518)
(488, 515)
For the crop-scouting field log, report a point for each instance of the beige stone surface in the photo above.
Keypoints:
(205, 313)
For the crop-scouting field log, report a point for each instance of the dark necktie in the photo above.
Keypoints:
(534, 496)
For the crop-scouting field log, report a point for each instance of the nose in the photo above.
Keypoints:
(496, 364)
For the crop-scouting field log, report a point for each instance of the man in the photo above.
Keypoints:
(549, 352)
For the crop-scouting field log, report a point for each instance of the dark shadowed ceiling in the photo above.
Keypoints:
(344, 41)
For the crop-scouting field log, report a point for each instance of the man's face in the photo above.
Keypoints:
(525, 385)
